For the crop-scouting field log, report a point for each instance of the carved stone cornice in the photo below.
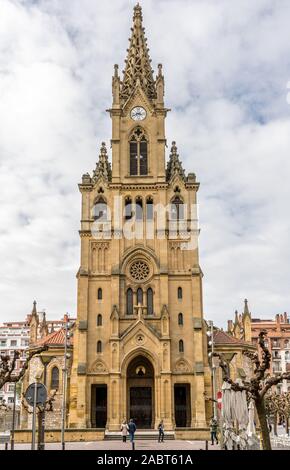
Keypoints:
(85, 233)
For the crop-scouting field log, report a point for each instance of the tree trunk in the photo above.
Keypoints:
(39, 416)
(275, 424)
(286, 424)
(260, 407)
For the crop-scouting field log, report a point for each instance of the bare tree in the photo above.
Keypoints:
(7, 366)
(47, 406)
(259, 384)
(278, 405)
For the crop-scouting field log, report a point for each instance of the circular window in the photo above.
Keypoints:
(139, 270)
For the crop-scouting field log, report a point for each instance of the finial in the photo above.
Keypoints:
(34, 312)
(116, 70)
(173, 148)
(137, 11)
(103, 149)
(246, 308)
(159, 70)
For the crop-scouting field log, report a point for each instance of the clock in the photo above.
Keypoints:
(138, 113)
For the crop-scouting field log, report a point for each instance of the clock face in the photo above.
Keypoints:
(138, 113)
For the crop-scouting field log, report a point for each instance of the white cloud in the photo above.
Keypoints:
(226, 68)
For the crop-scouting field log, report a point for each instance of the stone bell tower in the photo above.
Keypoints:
(139, 350)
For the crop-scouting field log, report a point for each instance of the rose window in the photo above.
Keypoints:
(139, 270)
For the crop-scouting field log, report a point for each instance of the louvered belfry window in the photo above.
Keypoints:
(138, 153)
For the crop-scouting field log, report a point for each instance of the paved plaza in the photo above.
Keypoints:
(119, 445)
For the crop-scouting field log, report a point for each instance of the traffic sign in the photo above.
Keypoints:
(41, 394)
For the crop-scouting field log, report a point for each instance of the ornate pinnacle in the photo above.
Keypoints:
(116, 70)
(103, 167)
(174, 165)
(246, 308)
(137, 12)
(34, 312)
(174, 149)
(103, 150)
(137, 63)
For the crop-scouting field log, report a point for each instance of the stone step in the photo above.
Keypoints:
(143, 434)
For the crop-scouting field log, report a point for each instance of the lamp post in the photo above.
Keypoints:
(13, 417)
(41, 416)
(213, 367)
(67, 326)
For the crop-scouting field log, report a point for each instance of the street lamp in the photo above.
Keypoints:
(67, 335)
(13, 415)
(213, 367)
(41, 421)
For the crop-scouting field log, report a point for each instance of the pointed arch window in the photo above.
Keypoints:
(150, 306)
(54, 378)
(99, 320)
(128, 208)
(129, 302)
(179, 293)
(99, 347)
(100, 209)
(180, 319)
(177, 208)
(138, 153)
(181, 346)
(139, 296)
(139, 208)
(149, 208)
(100, 294)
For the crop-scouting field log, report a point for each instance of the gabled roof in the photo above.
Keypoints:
(221, 337)
(56, 338)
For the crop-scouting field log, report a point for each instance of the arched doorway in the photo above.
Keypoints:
(140, 392)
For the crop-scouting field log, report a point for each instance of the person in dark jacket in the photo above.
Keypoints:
(161, 431)
(131, 429)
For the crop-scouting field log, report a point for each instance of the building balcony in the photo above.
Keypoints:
(276, 346)
(277, 371)
(276, 358)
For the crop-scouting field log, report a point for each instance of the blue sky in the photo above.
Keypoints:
(226, 67)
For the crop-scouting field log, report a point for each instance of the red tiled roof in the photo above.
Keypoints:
(221, 337)
(54, 338)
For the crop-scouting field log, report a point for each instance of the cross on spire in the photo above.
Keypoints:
(138, 63)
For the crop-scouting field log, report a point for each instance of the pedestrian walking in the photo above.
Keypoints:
(213, 426)
(161, 431)
(132, 429)
(124, 430)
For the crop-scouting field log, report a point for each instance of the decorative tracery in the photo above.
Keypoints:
(139, 270)
(138, 153)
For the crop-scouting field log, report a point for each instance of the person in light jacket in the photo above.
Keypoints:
(124, 430)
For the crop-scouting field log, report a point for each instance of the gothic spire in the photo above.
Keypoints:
(34, 312)
(43, 326)
(103, 166)
(138, 63)
(246, 308)
(174, 165)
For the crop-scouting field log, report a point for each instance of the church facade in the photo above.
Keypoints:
(139, 346)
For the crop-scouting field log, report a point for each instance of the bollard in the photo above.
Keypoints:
(206, 445)
(133, 445)
(6, 445)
